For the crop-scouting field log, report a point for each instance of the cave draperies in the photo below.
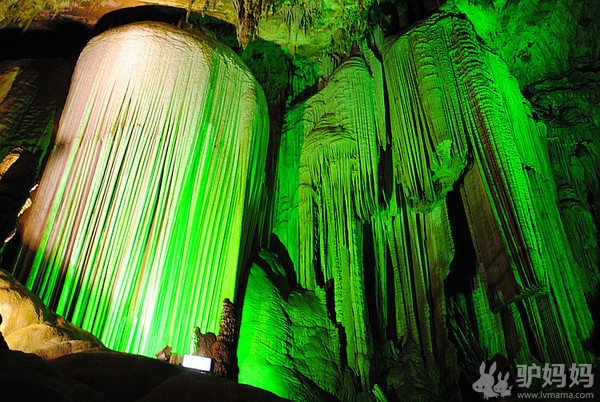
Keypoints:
(457, 121)
(361, 206)
(136, 233)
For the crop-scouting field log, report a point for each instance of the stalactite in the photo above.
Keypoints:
(332, 175)
(574, 153)
(249, 13)
(337, 190)
(415, 253)
(300, 15)
(427, 123)
(287, 182)
(509, 149)
(488, 240)
(410, 166)
(457, 120)
(136, 233)
(509, 196)
(499, 161)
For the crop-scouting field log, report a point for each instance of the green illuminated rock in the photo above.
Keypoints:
(457, 122)
(150, 197)
(288, 345)
(326, 191)
(432, 197)
(428, 126)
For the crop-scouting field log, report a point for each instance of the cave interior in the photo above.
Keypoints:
(332, 199)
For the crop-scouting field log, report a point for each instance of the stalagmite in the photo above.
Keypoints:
(146, 208)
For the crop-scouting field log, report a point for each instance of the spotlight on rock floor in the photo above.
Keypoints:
(201, 363)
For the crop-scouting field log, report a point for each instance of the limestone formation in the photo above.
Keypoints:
(457, 123)
(155, 169)
(425, 198)
(17, 172)
(204, 342)
(3, 344)
(29, 326)
(287, 342)
(32, 93)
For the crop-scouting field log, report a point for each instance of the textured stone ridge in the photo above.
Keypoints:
(334, 168)
(288, 344)
(381, 238)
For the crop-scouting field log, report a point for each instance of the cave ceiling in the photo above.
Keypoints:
(538, 39)
(307, 28)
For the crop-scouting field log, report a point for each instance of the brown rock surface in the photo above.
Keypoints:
(29, 326)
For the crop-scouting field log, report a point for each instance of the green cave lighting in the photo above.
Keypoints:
(361, 207)
(147, 204)
(384, 221)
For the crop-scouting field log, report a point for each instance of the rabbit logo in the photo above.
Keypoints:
(501, 387)
(485, 383)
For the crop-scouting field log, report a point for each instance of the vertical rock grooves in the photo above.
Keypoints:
(427, 116)
(334, 169)
(136, 230)
(513, 162)
(457, 122)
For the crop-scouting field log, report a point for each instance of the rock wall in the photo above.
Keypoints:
(32, 94)
(29, 326)
(419, 166)
(287, 342)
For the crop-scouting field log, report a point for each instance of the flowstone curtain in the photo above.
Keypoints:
(370, 209)
(143, 212)
(326, 191)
